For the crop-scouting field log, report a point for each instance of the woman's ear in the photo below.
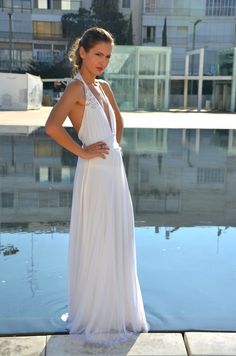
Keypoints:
(82, 52)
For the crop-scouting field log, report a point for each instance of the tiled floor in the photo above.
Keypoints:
(162, 344)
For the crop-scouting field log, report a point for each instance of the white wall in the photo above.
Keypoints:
(20, 91)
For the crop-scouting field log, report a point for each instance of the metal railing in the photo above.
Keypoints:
(26, 5)
(225, 10)
(16, 6)
(29, 36)
(16, 35)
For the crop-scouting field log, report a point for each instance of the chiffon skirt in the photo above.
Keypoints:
(105, 301)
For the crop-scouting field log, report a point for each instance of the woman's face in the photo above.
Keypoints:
(97, 58)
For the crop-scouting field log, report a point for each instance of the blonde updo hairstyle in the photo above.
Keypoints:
(89, 39)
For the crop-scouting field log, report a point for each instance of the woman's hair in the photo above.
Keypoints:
(89, 39)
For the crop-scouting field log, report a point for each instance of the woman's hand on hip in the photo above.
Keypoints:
(97, 149)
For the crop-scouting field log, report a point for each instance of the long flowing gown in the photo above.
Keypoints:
(105, 301)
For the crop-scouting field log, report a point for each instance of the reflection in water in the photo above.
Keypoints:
(182, 184)
(176, 177)
(187, 281)
(31, 270)
(8, 250)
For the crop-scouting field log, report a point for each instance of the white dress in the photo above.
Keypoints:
(105, 301)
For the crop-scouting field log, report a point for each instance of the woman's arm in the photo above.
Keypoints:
(119, 120)
(73, 95)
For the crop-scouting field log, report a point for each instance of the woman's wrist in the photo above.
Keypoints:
(82, 153)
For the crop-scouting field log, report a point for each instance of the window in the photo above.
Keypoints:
(57, 174)
(42, 4)
(149, 34)
(65, 174)
(21, 5)
(53, 174)
(66, 4)
(26, 56)
(65, 199)
(20, 58)
(57, 4)
(48, 199)
(210, 175)
(44, 47)
(7, 200)
(150, 5)
(70, 4)
(220, 7)
(43, 56)
(26, 4)
(144, 176)
(6, 4)
(59, 47)
(47, 29)
(28, 199)
(182, 30)
(126, 4)
(45, 148)
(43, 53)
(43, 174)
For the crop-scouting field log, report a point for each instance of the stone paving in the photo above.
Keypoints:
(158, 344)
(170, 119)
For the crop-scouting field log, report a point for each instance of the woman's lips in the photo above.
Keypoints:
(100, 69)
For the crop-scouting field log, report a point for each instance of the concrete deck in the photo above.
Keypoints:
(163, 344)
(171, 119)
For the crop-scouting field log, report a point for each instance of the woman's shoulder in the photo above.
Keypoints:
(75, 84)
(103, 82)
(76, 88)
(105, 85)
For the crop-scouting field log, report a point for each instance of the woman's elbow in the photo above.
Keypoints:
(49, 129)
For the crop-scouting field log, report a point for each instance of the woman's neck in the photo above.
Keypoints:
(88, 77)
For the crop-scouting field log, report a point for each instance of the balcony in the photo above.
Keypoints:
(23, 36)
(47, 7)
(16, 6)
(28, 36)
(48, 37)
(173, 11)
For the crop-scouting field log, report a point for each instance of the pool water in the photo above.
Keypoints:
(182, 184)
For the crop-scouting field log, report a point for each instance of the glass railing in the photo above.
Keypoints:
(139, 77)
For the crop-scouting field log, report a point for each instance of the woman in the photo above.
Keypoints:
(105, 302)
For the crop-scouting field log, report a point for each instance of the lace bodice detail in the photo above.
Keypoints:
(95, 125)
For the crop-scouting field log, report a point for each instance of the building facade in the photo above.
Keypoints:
(180, 177)
(32, 29)
(208, 24)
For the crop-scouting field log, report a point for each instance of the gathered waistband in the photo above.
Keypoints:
(112, 143)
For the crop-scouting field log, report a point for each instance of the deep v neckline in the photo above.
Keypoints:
(108, 119)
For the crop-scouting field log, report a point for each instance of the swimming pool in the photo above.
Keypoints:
(182, 183)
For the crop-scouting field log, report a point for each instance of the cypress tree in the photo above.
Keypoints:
(164, 34)
(130, 31)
